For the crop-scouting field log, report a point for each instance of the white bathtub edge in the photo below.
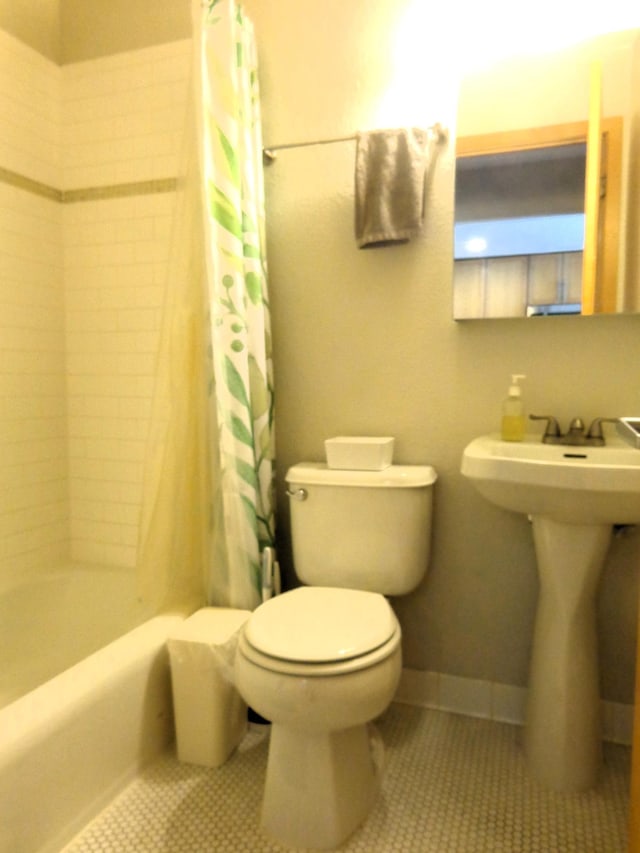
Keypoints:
(70, 745)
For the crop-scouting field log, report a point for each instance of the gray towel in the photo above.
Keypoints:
(390, 172)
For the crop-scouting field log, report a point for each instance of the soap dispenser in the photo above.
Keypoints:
(513, 419)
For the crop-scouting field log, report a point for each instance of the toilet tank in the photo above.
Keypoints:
(368, 530)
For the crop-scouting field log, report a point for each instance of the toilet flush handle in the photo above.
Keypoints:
(297, 494)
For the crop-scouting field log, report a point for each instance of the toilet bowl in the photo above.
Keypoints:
(320, 663)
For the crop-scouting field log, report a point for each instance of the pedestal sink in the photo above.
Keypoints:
(574, 495)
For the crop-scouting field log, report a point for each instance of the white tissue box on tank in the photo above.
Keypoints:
(359, 453)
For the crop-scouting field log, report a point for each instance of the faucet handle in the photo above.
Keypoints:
(595, 430)
(552, 428)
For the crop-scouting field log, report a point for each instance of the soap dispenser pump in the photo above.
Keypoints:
(513, 419)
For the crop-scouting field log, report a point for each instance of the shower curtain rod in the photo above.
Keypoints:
(269, 151)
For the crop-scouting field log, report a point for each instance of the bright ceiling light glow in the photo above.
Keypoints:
(494, 29)
(465, 35)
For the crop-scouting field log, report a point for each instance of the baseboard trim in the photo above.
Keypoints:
(491, 700)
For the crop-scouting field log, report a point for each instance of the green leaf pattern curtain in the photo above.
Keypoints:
(240, 364)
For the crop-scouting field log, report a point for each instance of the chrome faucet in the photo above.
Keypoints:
(575, 435)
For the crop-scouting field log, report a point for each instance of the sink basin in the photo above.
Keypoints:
(579, 485)
(573, 496)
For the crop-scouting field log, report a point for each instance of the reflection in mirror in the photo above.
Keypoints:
(519, 230)
(531, 182)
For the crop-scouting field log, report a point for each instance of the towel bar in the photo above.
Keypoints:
(269, 151)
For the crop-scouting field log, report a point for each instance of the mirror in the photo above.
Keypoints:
(548, 182)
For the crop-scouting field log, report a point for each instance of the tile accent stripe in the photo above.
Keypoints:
(24, 183)
(159, 185)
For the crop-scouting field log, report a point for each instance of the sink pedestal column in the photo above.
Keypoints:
(563, 731)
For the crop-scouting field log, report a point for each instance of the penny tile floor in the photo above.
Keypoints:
(452, 784)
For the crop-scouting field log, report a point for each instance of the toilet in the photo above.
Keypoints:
(322, 661)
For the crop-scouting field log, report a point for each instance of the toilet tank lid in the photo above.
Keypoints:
(395, 476)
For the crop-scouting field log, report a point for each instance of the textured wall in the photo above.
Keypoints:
(365, 343)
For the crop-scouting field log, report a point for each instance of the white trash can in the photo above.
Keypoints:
(210, 715)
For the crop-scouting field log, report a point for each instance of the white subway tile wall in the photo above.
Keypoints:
(115, 276)
(123, 121)
(34, 503)
(123, 116)
(81, 287)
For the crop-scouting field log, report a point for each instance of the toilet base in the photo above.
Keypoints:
(320, 786)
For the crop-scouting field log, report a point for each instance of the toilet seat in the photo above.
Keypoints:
(321, 631)
(316, 670)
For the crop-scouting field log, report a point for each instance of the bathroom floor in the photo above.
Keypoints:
(452, 784)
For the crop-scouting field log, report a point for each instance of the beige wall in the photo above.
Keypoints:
(35, 22)
(365, 343)
(74, 30)
(102, 27)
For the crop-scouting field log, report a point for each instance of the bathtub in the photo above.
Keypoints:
(50, 620)
(69, 745)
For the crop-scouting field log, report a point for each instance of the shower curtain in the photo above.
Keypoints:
(208, 508)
